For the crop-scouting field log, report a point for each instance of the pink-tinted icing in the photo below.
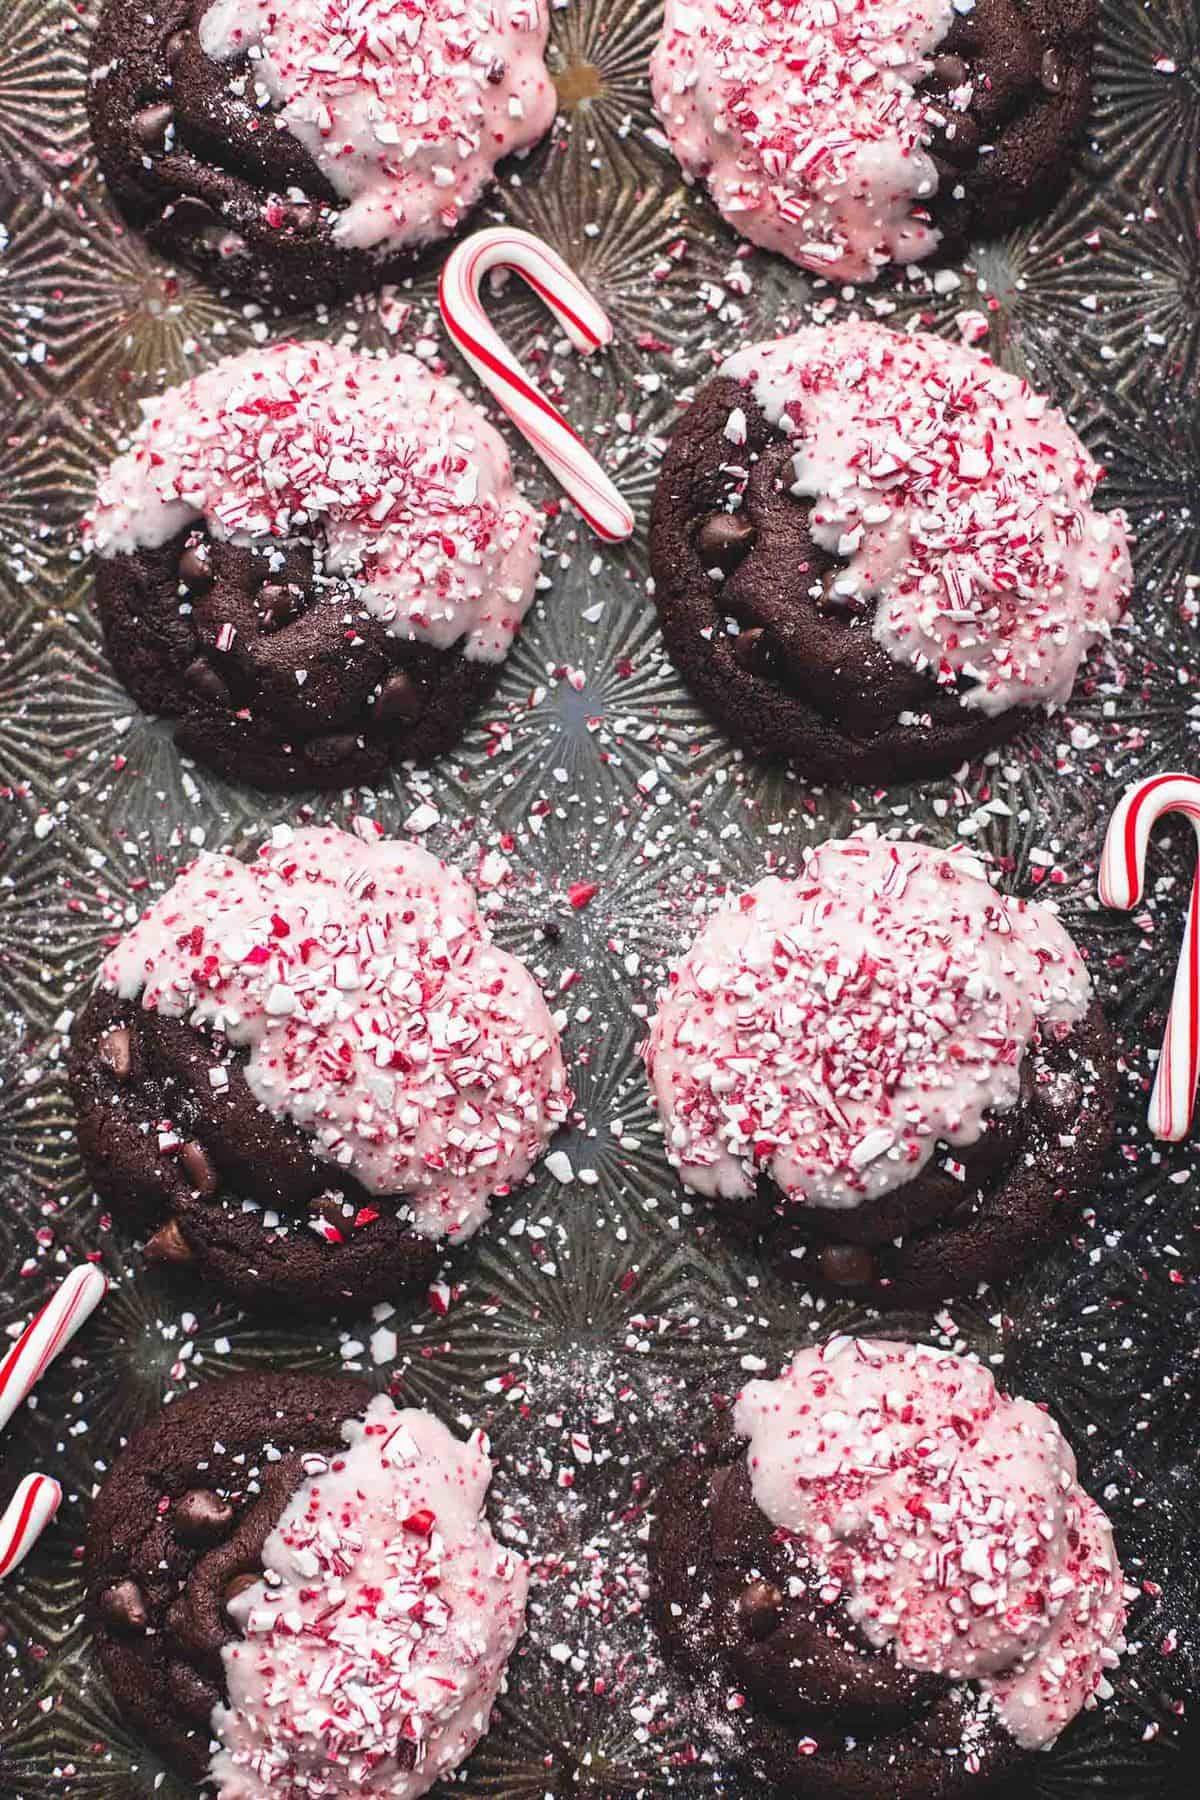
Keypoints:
(946, 1518)
(405, 106)
(828, 1030)
(402, 485)
(371, 1653)
(803, 117)
(959, 499)
(375, 1011)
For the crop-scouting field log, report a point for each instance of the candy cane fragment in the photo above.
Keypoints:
(37, 1498)
(1122, 879)
(25, 1518)
(540, 423)
(47, 1334)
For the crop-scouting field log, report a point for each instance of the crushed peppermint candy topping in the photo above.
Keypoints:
(372, 1651)
(376, 1012)
(405, 106)
(960, 501)
(829, 1030)
(401, 484)
(804, 118)
(946, 1518)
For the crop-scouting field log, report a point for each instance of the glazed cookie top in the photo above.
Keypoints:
(947, 1519)
(805, 119)
(372, 1650)
(402, 485)
(959, 499)
(828, 1031)
(405, 106)
(374, 1010)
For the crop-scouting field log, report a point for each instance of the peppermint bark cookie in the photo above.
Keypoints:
(894, 1078)
(855, 135)
(300, 151)
(878, 553)
(314, 562)
(893, 1568)
(294, 1589)
(306, 1074)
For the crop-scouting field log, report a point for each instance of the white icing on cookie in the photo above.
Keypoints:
(377, 1013)
(946, 1518)
(371, 1653)
(829, 1030)
(803, 118)
(405, 106)
(960, 500)
(404, 486)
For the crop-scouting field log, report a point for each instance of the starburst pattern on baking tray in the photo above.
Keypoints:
(603, 816)
(630, 243)
(1147, 111)
(29, 242)
(111, 1764)
(42, 125)
(1146, 277)
(119, 315)
(598, 56)
(1035, 292)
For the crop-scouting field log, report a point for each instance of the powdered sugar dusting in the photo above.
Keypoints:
(947, 1518)
(376, 1011)
(374, 1647)
(803, 117)
(402, 484)
(405, 106)
(960, 500)
(828, 1030)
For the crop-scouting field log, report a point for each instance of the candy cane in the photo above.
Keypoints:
(37, 1498)
(25, 1518)
(588, 328)
(1122, 878)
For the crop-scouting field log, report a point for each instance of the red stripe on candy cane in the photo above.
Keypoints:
(540, 423)
(47, 1334)
(37, 1498)
(1121, 884)
(25, 1518)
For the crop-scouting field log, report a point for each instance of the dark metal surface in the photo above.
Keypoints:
(586, 1325)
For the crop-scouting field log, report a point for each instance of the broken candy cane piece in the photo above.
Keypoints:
(37, 1498)
(25, 1518)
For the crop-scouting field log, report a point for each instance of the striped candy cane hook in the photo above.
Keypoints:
(37, 1499)
(1122, 879)
(588, 328)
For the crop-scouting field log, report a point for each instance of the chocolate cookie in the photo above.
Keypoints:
(368, 699)
(269, 1556)
(180, 1524)
(314, 562)
(875, 553)
(1005, 101)
(292, 1082)
(896, 1589)
(892, 1080)
(973, 1215)
(292, 157)
(849, 140)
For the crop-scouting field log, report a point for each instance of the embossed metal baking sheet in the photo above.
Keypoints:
(587, 1324)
